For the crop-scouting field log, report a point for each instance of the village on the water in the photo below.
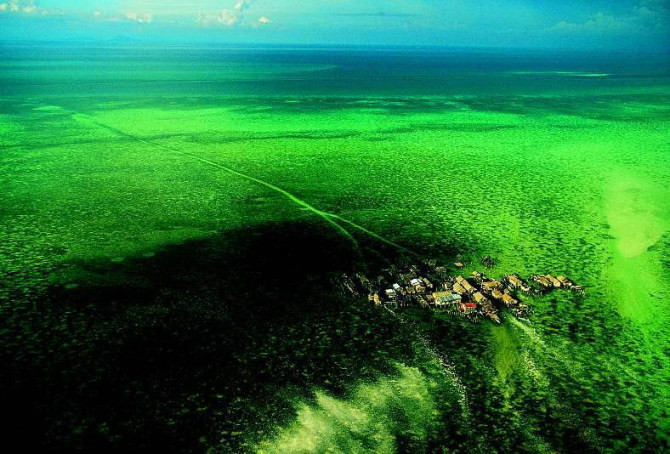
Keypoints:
(424, 284)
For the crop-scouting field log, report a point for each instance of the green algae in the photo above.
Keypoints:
(563, 178)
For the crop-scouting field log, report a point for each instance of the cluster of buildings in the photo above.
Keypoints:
(427, 285)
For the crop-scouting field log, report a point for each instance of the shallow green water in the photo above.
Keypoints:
(548, 163)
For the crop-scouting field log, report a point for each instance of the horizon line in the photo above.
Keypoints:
(127, 41)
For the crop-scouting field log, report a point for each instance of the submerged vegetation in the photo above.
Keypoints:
(168, 243)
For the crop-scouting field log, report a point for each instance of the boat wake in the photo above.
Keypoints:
(330, 218)
(543, 381)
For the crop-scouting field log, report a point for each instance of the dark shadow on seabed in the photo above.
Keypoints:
(210, 344)
(191, 347)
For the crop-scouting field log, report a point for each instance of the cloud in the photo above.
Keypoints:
(21, 7)
(146, 12)
(226, 17)
(599, 22)
(142, 18)
(380, 14)
(646, 16)
(654, 13)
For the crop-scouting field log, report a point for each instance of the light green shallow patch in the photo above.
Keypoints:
(369, 421)
(558, 73)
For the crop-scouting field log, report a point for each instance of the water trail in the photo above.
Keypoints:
(372, 234)
(530, 332)
(449, 371)
(566, 362)
(447, 368)
(326, 216)
(533, 370)
(546, 350)
(541, 379)
(285, 193)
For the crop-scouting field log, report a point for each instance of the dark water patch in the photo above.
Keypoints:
(191, 347)
(210, 342)
(232, 138)
(49, 142)
(458, 127)
(605, 105)
(327, 104)
(599, 106)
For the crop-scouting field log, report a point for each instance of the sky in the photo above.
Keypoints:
(570, 24)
